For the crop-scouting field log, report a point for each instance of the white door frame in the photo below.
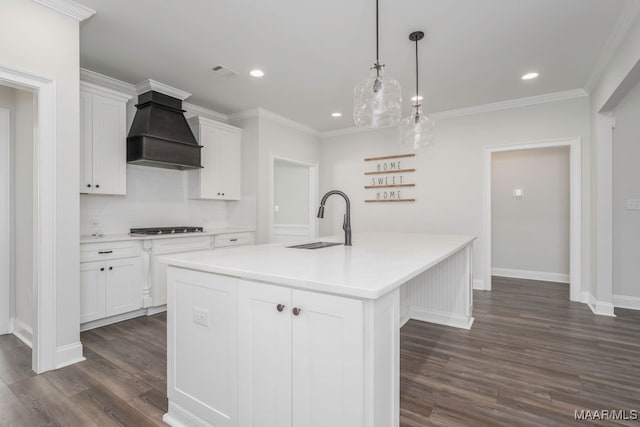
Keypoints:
(44, 300)
(313, 193)
(575, 188)
(5, 220)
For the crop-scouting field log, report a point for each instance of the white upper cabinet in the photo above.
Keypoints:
(220, 177)
(103, 140)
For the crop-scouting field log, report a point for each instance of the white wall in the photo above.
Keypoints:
(49, 46)
(290, 193)
(531, 233)
(155, 197)
(266, 136)
(449, 174)
(626, 185)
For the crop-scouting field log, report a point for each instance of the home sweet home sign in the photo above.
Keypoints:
(389, 179)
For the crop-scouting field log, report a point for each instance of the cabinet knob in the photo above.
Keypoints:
(102, 269)
(110, 268)
(88, 185)
(223, 194)
(280, 307)
(97, 185)
(218, 194)
(296, 311)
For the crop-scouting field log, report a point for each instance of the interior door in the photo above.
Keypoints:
(328, 355)
(265, 355)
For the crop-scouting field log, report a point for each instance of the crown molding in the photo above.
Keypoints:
(106, 92)
(204, 112)
(147, 85)
(512, 103)
(629, 13)
(269, 115)
(485, 108)
(107, 82)
(69, 8)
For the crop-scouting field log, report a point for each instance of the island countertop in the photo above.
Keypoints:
(376, 264)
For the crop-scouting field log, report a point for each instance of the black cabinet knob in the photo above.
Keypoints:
(296, 311)
(280, 307)
(88, 185)
(102, 269)
(97, 185)
(110, 268)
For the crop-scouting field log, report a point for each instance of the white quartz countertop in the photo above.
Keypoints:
(376, 264)
(122, 237)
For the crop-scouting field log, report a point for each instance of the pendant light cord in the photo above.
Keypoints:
(377, 40)
(417, 91)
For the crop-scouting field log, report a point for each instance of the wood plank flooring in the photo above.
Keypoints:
(531, 359)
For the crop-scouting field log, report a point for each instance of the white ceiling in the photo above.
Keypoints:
(314, 51)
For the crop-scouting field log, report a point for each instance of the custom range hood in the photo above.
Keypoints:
(160, 135)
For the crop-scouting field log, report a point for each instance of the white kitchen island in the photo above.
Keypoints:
(280, 337)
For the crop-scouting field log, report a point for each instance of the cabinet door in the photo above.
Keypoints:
(93, 278)
(86, 141)
(109, 146)
(265, 355)
(328, 361)
(210, 186)
(124, 285)
(230, 167)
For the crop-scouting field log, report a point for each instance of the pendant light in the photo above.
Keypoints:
(377, 100)
(417, 130)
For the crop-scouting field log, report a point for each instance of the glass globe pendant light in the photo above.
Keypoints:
(417, 130)
(377, 100)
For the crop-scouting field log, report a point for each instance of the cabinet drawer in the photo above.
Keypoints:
(181, 244)
(233, 239)
(111, 250)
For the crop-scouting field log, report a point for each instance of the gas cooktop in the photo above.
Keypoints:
(164, 230)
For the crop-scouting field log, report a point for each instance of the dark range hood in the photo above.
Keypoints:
(160, 135)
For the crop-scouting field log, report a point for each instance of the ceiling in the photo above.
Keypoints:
(313, 52)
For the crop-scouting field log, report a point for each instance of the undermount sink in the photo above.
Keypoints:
(314, 245)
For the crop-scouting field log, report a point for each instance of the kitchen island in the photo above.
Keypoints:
(274, 336)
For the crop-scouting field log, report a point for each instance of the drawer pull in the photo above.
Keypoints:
(233, 240)
(105, 252)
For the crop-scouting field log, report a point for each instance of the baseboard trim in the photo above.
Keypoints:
(22, 331)
(530, 275)
(623, 301)
(68, 355)
(405, 316)
(155, 310)
(601, 308)
(478, 285)
(112, 319)
(180, 417)
(446, 319)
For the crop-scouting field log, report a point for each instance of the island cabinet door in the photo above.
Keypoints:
(328, 360)
(264, 329)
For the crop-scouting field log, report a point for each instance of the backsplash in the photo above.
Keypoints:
(155, 197)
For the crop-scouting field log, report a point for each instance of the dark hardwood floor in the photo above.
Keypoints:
(531, 359)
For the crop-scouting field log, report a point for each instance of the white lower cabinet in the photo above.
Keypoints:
(110, 287)
(299, 362)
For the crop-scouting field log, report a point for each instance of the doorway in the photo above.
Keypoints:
(293, 200)
(43, 289)
(517, 192)
(17, 123)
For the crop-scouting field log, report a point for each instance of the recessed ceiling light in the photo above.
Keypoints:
(417, 98)
(336, 114)
(256, 73)
(530, 76)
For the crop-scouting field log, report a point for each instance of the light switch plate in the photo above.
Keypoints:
(201, 316)
(633, 204)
